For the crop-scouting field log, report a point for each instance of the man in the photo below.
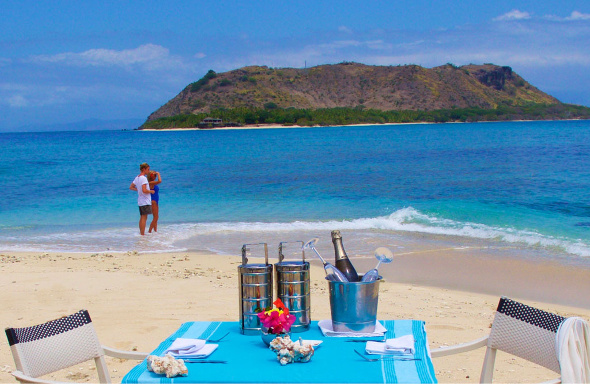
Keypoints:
(144, 195)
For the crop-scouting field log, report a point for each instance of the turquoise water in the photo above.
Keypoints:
(523, 184)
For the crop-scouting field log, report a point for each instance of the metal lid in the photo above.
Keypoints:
(255, 267)
(292, 266)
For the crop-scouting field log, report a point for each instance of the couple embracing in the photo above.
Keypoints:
(146, 185)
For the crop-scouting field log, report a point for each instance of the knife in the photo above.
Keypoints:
(189, 361)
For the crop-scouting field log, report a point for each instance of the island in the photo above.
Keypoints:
(353, 93)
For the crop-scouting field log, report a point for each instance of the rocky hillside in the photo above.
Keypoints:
(408, 87)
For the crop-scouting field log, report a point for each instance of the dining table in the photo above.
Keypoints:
(246, 359)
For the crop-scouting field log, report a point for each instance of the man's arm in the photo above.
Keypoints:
(133, 187)
(144, 189)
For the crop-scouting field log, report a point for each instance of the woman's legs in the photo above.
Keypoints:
(155, 211)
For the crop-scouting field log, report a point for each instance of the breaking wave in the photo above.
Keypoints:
(183, 236)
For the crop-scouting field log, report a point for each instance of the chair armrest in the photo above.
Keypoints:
(129, 355)
(28, 379)
(460, 348)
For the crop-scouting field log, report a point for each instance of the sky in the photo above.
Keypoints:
(62, 62)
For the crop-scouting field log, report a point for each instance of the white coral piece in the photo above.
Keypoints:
(280, 343)
(285, 356)
(166, 365)
(302, 353)
(289, 351)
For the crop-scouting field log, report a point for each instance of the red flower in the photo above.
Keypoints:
(277, 320)
(279, 304)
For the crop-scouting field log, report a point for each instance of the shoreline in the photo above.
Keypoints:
(136, 300)
(272, 126)
(275, 126)
(446, 262)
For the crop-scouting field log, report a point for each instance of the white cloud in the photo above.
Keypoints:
(199, 55)
(342, 44)
(378, 44)
(35, 96)
(345, 29)
(578, 16)
(345, 44)
(574, 16)
(499, 57)
(526, 46)
(515, 14)
(149, 56)
(18, 101)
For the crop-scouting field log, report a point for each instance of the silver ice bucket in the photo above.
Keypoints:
(354, 305)
(255, 290)
(293, 287)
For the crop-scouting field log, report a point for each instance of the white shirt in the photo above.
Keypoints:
(142, 198)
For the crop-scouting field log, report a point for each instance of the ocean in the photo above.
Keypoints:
(521, 188)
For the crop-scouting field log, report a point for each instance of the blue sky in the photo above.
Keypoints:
(66, 61)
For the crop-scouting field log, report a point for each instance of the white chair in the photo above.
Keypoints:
(58, 344)
(520, 330)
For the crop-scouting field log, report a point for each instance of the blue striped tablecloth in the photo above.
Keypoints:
(334, 361)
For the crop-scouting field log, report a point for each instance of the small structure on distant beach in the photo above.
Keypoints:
(211, 122)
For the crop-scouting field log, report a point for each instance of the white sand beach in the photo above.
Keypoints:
(273, 126)
(136, 300)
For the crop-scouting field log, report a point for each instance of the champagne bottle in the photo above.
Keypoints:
(342, 261)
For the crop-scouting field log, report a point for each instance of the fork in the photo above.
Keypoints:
(386, 357)
(218, 339)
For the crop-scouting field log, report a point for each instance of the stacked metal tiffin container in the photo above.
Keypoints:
(256, 288)
(292, 279)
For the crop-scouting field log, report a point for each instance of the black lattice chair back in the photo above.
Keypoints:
(57, 344)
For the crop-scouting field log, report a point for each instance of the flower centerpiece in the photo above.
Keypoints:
(275, 321)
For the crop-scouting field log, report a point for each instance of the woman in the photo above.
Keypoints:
(155, 198)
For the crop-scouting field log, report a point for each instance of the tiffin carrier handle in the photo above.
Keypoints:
(246, 249)
(282, 256)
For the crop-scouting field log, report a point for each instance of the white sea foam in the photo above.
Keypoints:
(403, 220)
(226, 237)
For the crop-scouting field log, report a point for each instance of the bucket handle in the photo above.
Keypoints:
(246, 249)
(281, 256)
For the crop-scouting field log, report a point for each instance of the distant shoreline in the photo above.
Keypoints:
(274, 126)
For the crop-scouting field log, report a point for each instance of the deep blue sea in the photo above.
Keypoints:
(515, 185)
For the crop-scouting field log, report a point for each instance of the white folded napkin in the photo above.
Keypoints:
(403, 345)
(191, 348)
(328, 330)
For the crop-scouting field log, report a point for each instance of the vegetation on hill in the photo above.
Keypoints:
(348, 116)
(352, 93)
